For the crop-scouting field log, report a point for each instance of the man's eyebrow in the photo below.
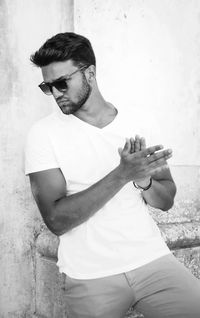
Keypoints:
(58, 79)
(61, 77)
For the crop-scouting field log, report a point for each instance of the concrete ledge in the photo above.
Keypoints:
(50, 287)
(47, 244)
(183, 211)
(176, 235)
(181, 235)
(190, 257)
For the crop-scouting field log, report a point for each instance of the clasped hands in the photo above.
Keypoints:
(138, 163)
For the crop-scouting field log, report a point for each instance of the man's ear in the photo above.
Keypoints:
(91, 70)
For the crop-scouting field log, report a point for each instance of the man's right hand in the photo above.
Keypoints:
(62, 212)
(142, 164)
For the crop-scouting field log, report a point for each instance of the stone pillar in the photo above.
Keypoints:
(24, 25)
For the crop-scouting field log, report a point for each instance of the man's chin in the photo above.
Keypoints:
(67, 110)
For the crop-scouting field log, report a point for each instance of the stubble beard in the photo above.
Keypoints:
(72, 107)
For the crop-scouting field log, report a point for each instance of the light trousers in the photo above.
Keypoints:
(163, 288)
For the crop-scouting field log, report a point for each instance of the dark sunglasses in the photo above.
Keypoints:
(60, 84)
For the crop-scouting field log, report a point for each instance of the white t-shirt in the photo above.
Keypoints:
(122, 235)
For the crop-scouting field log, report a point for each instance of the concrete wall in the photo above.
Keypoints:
(24, 25)
(147, 64)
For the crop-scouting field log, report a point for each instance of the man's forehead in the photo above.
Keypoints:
(56, 70)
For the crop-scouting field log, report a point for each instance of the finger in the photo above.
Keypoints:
(159, 155)
(151, 150)
(160, 162)
(137, 143)
(132, 145)
(159, 169)
(127, 146)
(142, 143)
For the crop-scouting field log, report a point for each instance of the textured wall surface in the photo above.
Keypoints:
(148, 65)
(24, 25)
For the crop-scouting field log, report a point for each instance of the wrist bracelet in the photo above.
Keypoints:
(141, 188)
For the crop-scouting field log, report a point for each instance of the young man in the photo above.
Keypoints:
(92, 187)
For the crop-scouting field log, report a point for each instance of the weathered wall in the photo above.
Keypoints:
(148, 64)
(24, 25)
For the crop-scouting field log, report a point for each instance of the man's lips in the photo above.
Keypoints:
(63, 102)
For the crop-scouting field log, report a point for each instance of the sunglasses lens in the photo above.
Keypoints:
(60, 85)
(45, 88)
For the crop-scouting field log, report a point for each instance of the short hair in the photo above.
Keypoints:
(63, 47)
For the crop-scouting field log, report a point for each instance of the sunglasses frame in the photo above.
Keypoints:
(64, 80)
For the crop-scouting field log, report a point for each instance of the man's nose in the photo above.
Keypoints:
(56, 93)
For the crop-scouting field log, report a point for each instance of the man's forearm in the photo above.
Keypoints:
(71, 211)
(62, 212)
(161, 194)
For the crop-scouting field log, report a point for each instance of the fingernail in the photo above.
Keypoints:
(169, 151)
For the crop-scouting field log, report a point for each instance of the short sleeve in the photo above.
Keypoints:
(39, 154)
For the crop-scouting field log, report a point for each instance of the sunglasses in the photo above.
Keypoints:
(61, 84)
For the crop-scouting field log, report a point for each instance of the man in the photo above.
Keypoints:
(93, 187)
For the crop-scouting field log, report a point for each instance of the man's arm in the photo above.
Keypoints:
(62, 212)
(163, 189)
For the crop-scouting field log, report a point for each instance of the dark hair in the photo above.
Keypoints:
(63, 47)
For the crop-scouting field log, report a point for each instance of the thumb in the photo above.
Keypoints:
(127, 146)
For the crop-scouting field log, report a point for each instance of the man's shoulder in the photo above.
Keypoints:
(44, 122)
(40, 128)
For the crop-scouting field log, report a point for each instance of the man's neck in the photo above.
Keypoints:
(97, 112)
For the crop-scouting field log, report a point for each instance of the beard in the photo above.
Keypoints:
(67, 106)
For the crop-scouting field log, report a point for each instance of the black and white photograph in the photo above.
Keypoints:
(100, 159)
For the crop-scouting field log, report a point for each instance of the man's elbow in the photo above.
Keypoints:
(169, 202)
(168, 205)
(55, 229)
(56, 224)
